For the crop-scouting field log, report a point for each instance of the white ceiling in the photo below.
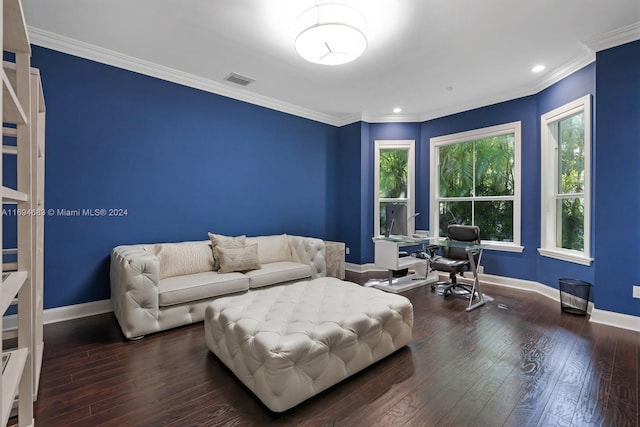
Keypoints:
(417, 49)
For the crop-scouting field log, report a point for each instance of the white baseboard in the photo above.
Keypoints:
(361, 268)
(618, 320)
(525, 285)
(60, 314)
(604, 317)
(609, 318)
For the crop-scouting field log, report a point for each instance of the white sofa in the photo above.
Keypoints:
(155, 287)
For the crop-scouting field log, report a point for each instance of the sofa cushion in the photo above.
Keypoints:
(227, 242)
(278, 272)
(192, 287)
(272, 248)
(177, 259)
(242, 259)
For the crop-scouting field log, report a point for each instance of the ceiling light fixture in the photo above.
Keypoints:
(397, 110)
(332, 34)
(538, 68)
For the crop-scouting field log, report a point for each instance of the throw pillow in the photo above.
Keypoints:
(226, 242)
(237, 259)
(272, 248)
(178, 259)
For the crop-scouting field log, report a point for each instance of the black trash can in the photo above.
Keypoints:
(574, 296)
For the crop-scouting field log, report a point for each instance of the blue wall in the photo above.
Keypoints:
(528, 265)
(184, 162)
(348, 197)
(579, 84)
(385, 131)
(366, 189)
(181, 161)
(617, 152)
(519, 265)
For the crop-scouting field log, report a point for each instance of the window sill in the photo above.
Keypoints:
(576, 258)
(505, 247)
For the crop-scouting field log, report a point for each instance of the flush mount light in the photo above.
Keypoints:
(538, 68)
(332, 34)
(397, 110)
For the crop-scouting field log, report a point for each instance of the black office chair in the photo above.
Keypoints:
(455, 260)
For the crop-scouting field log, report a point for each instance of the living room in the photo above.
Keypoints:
(173, 162)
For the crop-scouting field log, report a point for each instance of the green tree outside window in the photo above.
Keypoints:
(477, 185)
(394, 175)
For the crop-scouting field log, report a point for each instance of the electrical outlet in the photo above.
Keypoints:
(636, 291)
(347, 251)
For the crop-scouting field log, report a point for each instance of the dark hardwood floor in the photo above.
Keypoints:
(516, 361)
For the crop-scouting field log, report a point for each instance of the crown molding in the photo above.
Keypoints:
(615, 38)
(348, 119)
(450, 110)
(566, 70)
(105, 56)
(95, 53)
(559, 74)
(392, 118)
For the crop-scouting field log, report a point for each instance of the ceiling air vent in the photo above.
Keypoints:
(239, 79)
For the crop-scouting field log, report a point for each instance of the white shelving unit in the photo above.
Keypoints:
(22, 282)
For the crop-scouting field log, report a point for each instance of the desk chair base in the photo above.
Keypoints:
(448, 288)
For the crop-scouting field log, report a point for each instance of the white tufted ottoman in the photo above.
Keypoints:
(290, 342)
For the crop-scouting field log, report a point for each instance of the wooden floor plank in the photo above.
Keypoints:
(518, 360)
(530, 330)
(592, 400)
(451, 377)
(473, 401)
(563, 401)
(622, 405)
(540, 371)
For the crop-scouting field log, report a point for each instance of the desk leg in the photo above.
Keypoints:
(476, 284)
(390, 277)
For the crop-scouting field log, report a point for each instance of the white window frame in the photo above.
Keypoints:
(549, 179)
(411, 170)
(507, 128)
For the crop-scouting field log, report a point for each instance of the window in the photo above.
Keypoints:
(475, 180)
(393, 180)
(566, 172)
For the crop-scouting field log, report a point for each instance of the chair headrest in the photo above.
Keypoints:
(464, 233)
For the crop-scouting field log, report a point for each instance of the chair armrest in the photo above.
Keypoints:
(309, 250)
(134, 276)
(431, 249)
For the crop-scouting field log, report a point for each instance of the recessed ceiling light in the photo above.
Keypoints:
(397, 110)
(538, 68)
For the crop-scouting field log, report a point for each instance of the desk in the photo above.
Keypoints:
(386, 256)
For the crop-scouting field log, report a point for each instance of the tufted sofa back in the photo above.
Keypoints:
(135, 274)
